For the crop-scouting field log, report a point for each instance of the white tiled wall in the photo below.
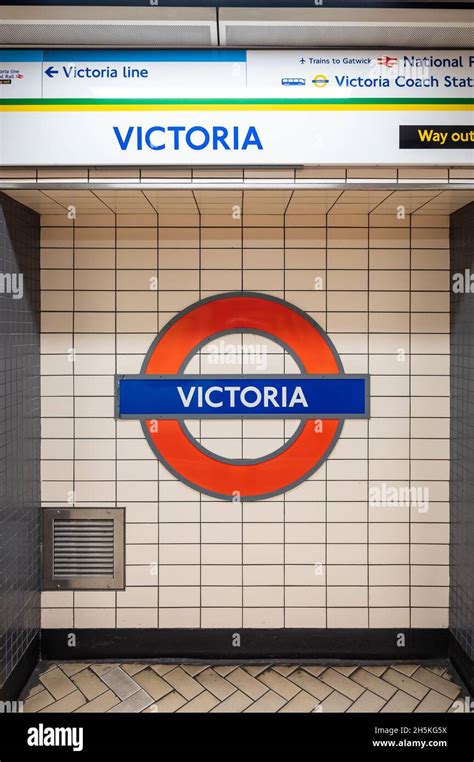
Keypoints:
(320, 555)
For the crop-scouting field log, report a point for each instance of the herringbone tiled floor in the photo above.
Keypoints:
(154, 687)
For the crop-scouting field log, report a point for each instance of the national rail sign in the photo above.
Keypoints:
(321, 396)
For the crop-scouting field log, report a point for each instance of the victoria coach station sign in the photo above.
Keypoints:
(129, 107)
(321, 396)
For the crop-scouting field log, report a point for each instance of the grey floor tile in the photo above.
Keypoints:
(270, 702)
(67, 704)
(346, 671)
(194, 669)
(287, 670)
(167, 704)
(405, 683)
(439, 684)
(183, 683)
(310, 684)
(225, 669)
(57, 683)
(163, 669)
(133, 669)
(434, 702)
(153, 684)
(368, 702)
(373, 683)
(102, 669)
(279, 684)
(202, 703)
(336, 702)
(102, 703)
(121, 683)
(246, 683)
(256, 669)
(405, 669)
(401, 702)
(38, 701)
(213, 682)
(89, 684)
(235, 703)
(137, 702)
(303, 702)
(72, 668)
(343, 684)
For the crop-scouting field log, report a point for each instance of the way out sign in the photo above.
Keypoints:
(321, 396)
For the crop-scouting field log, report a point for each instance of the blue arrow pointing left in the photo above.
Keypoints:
(51, 71)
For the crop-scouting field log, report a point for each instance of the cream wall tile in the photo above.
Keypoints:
(94, 618)
(57, 618)
(389, 617)
(221, 617)
(347, 617)
(137, 617)
(305, 617)
(94, 599)
(263, 617)
(426, 617)
(179, 617)
(429, 554)
(387, 574)
(347, 597)
(346, 574)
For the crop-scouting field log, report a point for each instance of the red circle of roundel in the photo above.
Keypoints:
(230, 313)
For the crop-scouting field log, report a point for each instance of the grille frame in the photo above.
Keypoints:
(114, 578)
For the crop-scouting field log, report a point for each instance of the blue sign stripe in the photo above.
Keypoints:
(14, 56)
(222, 396)
(177, 56)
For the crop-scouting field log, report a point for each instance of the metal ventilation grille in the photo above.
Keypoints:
(337, 35)
(83, 548)
(136, 34)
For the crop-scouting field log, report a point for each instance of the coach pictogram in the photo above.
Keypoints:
(321, 396)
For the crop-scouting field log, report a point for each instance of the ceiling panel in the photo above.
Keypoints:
(446, 202)
(313, 201)
(137, 27)
(172, 201)
(186, 203)
(346, 27)
(36, 200)
(410, 199)
(84, 201)
(125, 202)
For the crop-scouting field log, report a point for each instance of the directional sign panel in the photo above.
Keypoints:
(147, 73)
(225, 107)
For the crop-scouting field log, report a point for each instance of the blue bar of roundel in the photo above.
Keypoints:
(147, 56)
(155, 397)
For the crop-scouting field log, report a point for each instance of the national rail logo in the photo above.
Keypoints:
(321, 396)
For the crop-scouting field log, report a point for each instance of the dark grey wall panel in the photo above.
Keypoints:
(19, 433)
(462, 435)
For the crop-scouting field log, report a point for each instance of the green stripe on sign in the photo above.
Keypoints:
(228, 101)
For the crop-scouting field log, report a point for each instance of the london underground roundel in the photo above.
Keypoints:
(321, 396)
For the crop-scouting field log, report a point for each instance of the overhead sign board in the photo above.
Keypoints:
(219, 106)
